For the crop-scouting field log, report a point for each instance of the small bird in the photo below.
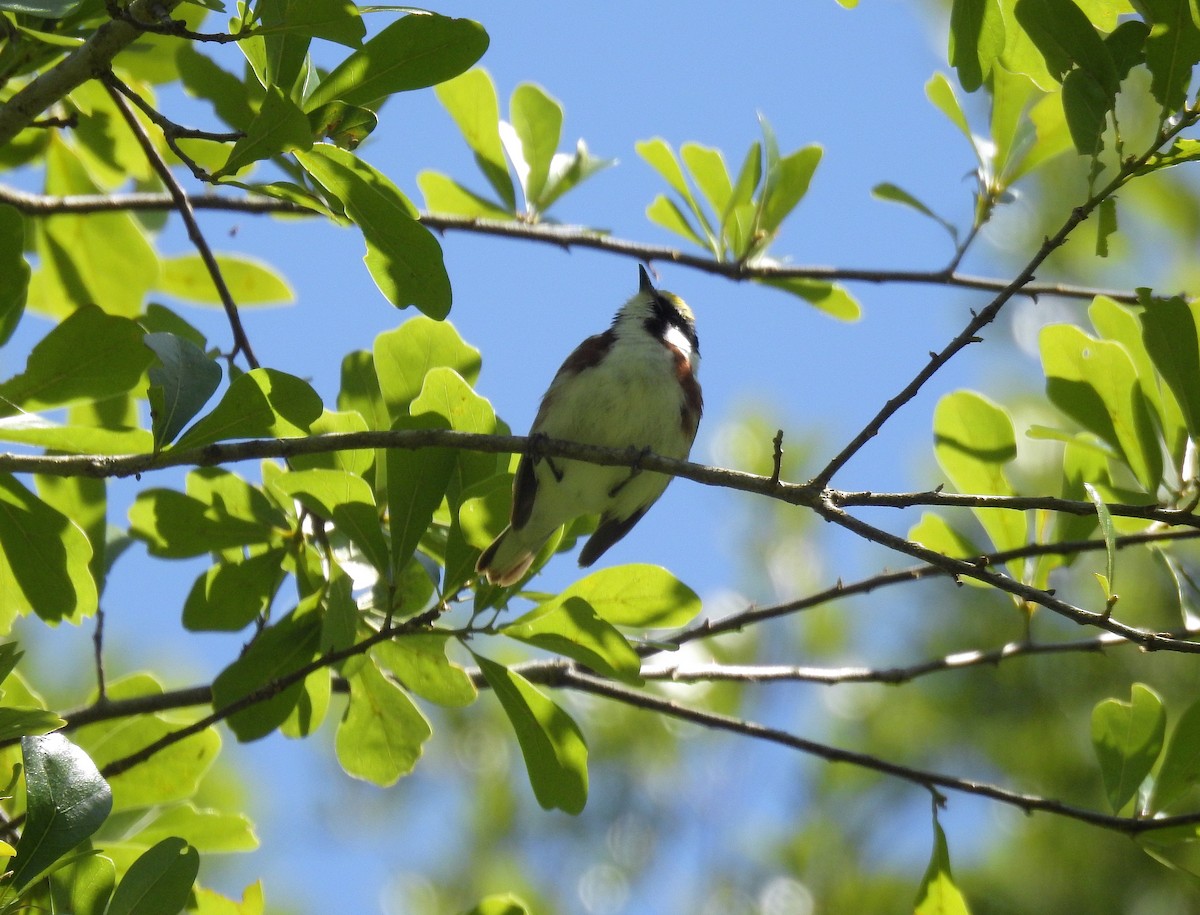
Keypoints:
(633, 386)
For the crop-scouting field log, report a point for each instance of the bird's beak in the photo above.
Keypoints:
(644, 284)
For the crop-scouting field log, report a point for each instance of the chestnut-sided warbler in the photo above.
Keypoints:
(633, 386)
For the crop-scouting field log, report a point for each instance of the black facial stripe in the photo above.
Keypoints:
(664, 314)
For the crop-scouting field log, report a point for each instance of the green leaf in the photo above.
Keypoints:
(553, 747)
(202, 77)
(1067, 39)
(250, 282)
(347, 501)
(786, 185)
(33, 429)
(1096, 384)
(89, 356)
(895, 194)
(220, 511)
(935, 533)
(414, 52)
(100, 258)
(472, 103)
(280, 126)
(1172, 50)
(159, 882)
(234, 592)
(939, 91)
(1106, 225)
(45, 9)
(1106, 530)
(14, 270)
(174, 773)
(262, 403)
(1169, 333)
(637, 595)
(44, 559)
(333, 20)
(418, 663)
(356, 461)
(976, 40)
(658, 153)
(403, 257)
(1127, 738)
(832, 298)
(24, 722)
(180, 385)
(973, 440)
(208, 831)
(665, 212)
(937, 894)
(569, 171)
(67, 800)
(379, 738)
(445, 195)
(572, 628)
(278, 651)
(84, 886)
(708, 171)
(346, 125)
(404, 356)
(417, 481)
(1180, 769)
(537, 123)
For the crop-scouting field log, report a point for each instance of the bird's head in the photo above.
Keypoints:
(661, 314)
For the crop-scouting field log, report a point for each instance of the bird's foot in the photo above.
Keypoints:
(636, 455)
(537, 444)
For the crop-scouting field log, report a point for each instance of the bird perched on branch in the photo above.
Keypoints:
(633, 386)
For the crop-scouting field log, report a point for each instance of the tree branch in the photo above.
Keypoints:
(93, 57)
(241, 343)
(930, 781)
(560, 236)
(980, 320)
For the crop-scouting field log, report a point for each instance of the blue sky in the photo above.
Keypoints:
(849, 80)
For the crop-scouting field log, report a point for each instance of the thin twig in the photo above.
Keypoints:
(981, 319)
(241, 343)
(930, 781)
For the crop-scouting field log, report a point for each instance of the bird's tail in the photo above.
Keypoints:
(506, 561)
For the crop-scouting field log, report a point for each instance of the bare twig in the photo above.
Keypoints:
(981, 319)
(241, 343)
(930, 781)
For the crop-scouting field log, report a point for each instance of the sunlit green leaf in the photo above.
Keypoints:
(1180, 769)
(173, 773)
(418, 663)
(537, 123)
(89, 356)
(262, 403)
(472, 102)
(572, 628)
(346, 125)
(233, 593)
(84, 886)
(832, 298)
(44, 559)
(159, 882)
(553, 747)
(445, 195)
(938, 894)
(1170, 335)
(404, 356)
(380, 737)
(280, 126)
(279, 651)
(976, 40)
(344, 499)
(415, 51)
(208, 831)
(1127, 738)
(785, 186)
(403, 257)
(1172, 50)
(1095, 383)
(636, 595)
(250, 282)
